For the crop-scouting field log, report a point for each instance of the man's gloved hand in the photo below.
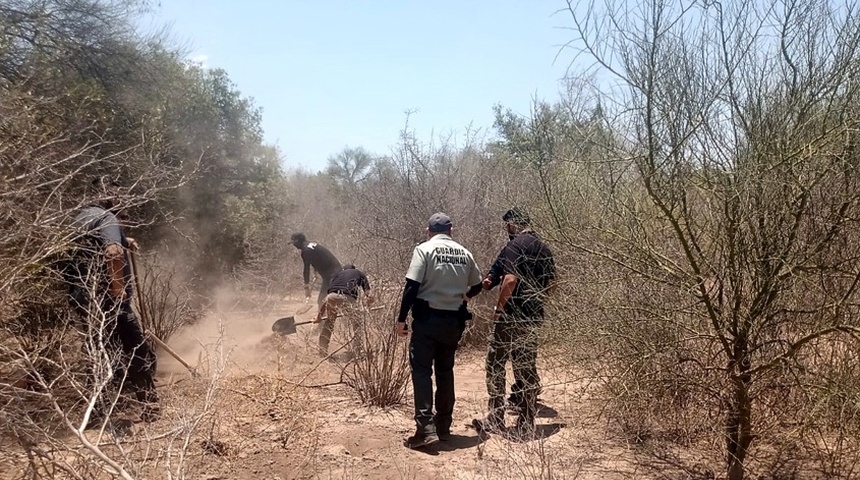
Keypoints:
(487, 283)
(307, 292)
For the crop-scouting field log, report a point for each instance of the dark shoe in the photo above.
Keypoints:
(96, 421)
(420, 440)
(488, 425)
(150, 412)
(524, 430)
(512, 404)
(443, 429)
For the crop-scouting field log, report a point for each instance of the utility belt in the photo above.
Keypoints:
(421, 309)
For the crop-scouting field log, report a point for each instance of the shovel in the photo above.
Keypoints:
(144, 321)
(287, 325)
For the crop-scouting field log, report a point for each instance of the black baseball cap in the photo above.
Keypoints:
(439, 222)
(516, 216)
(298, 238)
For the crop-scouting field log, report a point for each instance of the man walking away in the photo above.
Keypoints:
(100, 290)
(342, 299)
(527, 270)
(440, 273)
(323, 261)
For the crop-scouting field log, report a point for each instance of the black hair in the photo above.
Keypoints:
(103, 183)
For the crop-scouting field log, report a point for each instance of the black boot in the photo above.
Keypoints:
(524, 430)
(421, 439)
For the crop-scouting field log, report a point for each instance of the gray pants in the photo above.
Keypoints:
(325, 282)
(345, 306)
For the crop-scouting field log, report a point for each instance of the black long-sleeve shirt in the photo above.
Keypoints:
(348, 282)
(323, 261)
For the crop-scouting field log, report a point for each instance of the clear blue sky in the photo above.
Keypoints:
(336, 73)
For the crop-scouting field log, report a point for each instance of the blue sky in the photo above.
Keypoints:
(330, 74)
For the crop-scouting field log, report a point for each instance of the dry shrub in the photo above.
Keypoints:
(381, 372)
(824, 426)
(164, 302)
(46, 417)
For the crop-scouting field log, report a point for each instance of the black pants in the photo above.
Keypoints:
(132, 358)
(517, 340)
(431, 349)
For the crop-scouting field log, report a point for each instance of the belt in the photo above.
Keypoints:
(341, 292)
(443, 313)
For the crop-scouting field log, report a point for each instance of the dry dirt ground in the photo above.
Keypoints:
(268, 407)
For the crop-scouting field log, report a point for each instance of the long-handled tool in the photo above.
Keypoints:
(287, 325)
(144, 321)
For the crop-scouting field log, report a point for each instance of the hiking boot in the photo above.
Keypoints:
(512, 404)
(421, 439)
(524, 429)
(96, 421)
(489, 424)
(444, 435)
(150, 412)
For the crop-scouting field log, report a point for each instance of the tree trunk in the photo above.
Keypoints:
(739, 422)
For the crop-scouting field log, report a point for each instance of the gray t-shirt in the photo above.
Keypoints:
(445, 270)
(100, 228)
(101, 224)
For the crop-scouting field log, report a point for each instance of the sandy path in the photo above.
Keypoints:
(344, 439)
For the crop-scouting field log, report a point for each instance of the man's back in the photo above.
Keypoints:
(531, 261)
(348, 281)
(321, 258)
(445, 269)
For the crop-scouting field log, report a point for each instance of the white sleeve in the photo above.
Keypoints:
(417, 267)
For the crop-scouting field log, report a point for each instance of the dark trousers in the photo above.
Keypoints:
(517, 341)
(431, 349)
(133, 361)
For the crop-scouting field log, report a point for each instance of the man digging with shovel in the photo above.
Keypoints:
(100, 289)
(319, 257)
(342, 298)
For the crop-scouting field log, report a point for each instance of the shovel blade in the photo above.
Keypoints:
(284, 326)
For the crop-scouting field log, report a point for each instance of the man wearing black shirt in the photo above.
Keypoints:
(342, 298)
(525, 269)
(323, 261)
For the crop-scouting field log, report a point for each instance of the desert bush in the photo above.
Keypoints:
(380, 372)
(164, 302)
(723, 214)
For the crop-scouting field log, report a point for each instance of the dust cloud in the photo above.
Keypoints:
(236, 331)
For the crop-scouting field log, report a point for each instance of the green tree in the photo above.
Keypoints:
(349, 167)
